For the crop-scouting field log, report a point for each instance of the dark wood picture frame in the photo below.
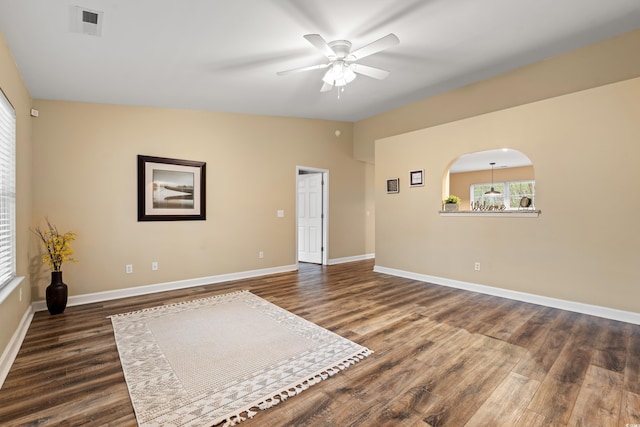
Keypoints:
(171, 189)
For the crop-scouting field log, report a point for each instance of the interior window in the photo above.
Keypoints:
(509, 172)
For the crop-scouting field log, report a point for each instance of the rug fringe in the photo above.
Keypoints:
(293, 390)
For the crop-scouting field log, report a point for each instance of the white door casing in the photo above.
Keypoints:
(310, 217)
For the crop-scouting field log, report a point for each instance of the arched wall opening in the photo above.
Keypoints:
(472, 176)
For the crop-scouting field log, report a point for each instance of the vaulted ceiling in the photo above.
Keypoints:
(223, 55)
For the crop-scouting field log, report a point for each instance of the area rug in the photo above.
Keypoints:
(219, 360)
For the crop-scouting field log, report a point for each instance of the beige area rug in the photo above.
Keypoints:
(219, 360)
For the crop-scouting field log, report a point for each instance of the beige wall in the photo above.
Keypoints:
(12, 309)
(370, 210)
(85, 180)
(460, 183)
(605, 62)
(584, 247)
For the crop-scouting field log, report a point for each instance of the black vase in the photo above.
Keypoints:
(56, 294)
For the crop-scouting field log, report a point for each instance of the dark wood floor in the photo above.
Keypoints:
(443, 357)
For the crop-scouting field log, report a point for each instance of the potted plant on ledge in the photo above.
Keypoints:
(57, 250)
(451, 203)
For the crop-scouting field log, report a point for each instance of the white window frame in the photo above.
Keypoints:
(7, 197)
(506, 194)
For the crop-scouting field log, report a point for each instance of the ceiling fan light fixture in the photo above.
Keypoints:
(339, 74)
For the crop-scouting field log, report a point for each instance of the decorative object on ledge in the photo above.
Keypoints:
(170, 189)
(526, 203)
(450, 204)
(393, 185)
(416, 178)
(57, 250)
(484, 207)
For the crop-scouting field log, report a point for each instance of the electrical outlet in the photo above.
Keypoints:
(154, 265)
(260, 254)
(20, 294)
(128, 268)
(476, 267)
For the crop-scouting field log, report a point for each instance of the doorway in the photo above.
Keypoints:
(312, 214)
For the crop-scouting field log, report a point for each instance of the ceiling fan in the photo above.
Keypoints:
(342, 66)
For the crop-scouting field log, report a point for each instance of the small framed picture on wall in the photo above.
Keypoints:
(416, 178)
(393, 185)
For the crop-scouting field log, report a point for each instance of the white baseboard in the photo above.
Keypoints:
(11, 351)
(167, 286)
(182, 284)
(350, 259)
(578, 307)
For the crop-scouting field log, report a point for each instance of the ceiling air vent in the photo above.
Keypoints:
(85, 21)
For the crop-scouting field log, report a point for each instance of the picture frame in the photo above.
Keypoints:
(416, 178)
(171, 189)
(393, 185)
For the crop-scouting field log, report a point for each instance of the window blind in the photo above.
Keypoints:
(7, 191)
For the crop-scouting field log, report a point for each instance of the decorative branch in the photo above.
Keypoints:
(56, 245)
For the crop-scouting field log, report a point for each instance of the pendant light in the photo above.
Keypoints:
(492, 192)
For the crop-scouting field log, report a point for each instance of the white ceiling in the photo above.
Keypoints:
(223, 55)
(481, 160)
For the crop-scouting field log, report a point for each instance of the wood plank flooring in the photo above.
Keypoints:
(443, 357)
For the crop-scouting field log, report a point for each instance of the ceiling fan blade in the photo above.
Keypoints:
(376, 73)
(321, 45)
(326, 87)
(374, 47)
(298, 70)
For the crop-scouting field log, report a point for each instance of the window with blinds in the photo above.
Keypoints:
(7, 191)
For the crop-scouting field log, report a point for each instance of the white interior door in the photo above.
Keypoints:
(310, 218)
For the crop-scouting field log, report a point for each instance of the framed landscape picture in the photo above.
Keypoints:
(170, 189)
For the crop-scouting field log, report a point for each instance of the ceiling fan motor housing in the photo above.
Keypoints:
(341, 48)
